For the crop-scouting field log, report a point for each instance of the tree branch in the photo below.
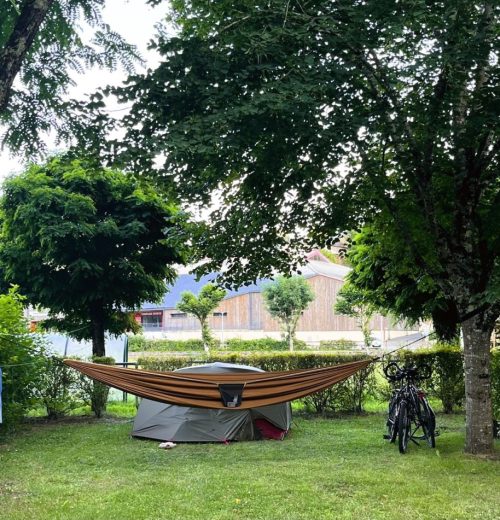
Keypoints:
(28, 23)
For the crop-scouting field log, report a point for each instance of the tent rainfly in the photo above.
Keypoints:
(166, 422)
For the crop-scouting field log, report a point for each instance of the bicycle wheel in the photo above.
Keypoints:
(428, 422)
(404, 427)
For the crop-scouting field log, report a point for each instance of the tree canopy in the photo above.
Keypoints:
(310, 118)
(201, 307)
(88, 243)
(41, 45)
(389, 281)
(286, 299)
(270, 102)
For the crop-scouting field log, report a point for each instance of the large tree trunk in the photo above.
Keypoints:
(32, 14)
(98, 346)
(478, 406)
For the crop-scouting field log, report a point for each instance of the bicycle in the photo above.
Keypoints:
(409, 409)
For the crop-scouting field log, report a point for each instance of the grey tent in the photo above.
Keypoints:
(166, 422)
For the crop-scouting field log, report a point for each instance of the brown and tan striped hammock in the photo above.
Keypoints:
(238, 390)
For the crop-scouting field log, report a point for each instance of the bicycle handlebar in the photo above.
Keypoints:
(393, 372)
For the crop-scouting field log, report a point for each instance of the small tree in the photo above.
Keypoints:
(352, 302)
(286, 299)
(87, 243)
(201, 307)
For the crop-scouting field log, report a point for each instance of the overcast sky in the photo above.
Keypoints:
(134, 20)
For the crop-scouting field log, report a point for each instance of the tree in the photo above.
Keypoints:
(89, 244)
(286, 299)
(353, 303)
(201, 307)
(308, 119)
(41, 44)
(383, 272)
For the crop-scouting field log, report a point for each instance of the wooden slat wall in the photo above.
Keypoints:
(181, 323)
(247, 312)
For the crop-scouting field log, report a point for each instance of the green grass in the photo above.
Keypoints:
(83, 469)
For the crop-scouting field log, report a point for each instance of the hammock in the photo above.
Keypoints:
(241, 390)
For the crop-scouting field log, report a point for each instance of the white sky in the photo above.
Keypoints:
(135, 21)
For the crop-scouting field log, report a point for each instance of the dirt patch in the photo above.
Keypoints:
(9, 489)
(43, 422)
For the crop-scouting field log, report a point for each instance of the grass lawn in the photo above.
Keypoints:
(326, 469)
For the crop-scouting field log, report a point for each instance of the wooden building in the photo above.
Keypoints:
(243, 314)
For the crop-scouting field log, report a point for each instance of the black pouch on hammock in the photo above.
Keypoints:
(231, 394)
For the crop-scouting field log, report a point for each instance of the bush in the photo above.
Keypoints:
(262, 344)
(141, 344)
(94, 393)
(21, 358)
(495, 382)
(447, 381)
(137, 343)
(56, 387)
(346, 396)
(338, 344)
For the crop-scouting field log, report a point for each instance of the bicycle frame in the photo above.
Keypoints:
(418, 413)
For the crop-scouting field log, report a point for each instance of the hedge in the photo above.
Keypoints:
(142, 344)
(495, 382)
(347, 396)
(337, 344)
(262, 344)
(446, 383)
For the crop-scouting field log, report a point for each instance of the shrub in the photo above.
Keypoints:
(346, 396)
(21, 357)
(95, 393)
(141, 344)
(56, 387)
(447, 381)
(495, 382)
(337, 344)
(262, 344)
(137, 343)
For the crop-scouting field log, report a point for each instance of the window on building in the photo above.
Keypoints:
(152, 320)
(178, 315)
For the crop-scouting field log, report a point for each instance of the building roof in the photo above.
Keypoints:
(188, 282)
(315, 268)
